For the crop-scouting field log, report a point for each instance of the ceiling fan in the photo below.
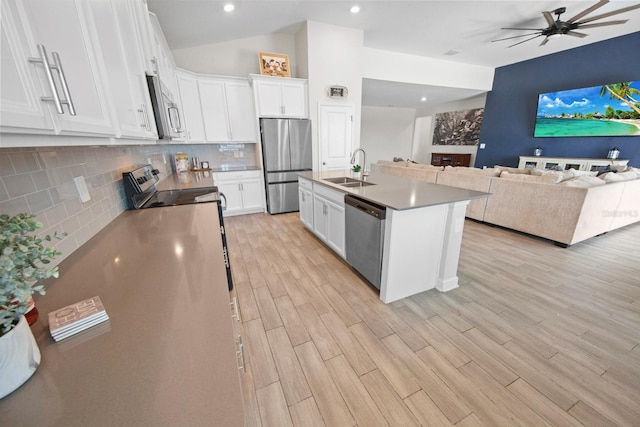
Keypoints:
(558, 27)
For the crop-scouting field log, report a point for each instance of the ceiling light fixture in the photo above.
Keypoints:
(354, 9)
(423, 99)
(228, 7)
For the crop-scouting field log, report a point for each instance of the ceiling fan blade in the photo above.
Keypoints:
(603, 24)
(613, 12)
(528, 29)
(535, 37)
(577, 34)
(549, 18)
(514, 37)
(546, 39)
(588, 11)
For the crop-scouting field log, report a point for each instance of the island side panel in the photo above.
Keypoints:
(412, 251)
(448, 274)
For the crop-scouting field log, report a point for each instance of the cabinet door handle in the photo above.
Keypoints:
(240, 354)
(44, 60)
(235, 314)
(63, 80)
(143, 110)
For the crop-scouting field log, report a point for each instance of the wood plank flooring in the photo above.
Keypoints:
(535, 335)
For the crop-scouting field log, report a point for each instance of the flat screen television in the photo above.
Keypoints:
(607, 110)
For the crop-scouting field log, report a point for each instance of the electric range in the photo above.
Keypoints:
(141, 192)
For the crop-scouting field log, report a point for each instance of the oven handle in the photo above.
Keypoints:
(223, 197)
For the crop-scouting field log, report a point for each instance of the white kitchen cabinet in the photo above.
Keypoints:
(227, 110)
(166, 66)
(119, 45)
(191, 108)
(243, 191)
(242, 122)
(280, 97)
(61, 30)
(144, 30)
(214, 106)
(328, 217)
(305, 201)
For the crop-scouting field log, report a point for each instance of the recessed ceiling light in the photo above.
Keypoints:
(228, 7)
(355, 9)
(423, 99)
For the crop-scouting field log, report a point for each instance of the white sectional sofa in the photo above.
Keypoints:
(565, 212)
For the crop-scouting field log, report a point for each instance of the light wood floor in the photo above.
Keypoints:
(535, 335)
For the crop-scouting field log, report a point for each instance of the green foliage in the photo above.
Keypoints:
(23, 258)
(356, 168)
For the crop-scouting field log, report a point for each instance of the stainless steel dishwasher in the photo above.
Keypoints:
(364, 237)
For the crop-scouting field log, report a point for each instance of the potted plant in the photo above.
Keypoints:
(356, 170)
(23, 264)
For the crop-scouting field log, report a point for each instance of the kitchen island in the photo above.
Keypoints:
(422, 231)
(166, 356)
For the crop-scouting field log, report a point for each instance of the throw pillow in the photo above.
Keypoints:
(583, 181)
(551, 177)
(513, 170)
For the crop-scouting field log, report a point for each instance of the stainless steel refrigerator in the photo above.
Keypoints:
(286, 149)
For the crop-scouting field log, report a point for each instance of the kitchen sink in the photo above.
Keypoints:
(357, 184)
(342, 180)
(345, 181)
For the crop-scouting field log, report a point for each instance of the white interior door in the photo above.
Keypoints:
(335, 136)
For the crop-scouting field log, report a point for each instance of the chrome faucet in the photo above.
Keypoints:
(364, 160)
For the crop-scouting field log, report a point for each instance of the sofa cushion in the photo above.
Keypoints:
(550, 177)
(513, 170)
(573, 173)
(422, 166)
(583, 181)
(471, 170)
(620, 176)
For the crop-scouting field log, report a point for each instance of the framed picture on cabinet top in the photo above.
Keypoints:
(274, 64)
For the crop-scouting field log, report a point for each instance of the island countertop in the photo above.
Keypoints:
(396, 192)
(166, 356)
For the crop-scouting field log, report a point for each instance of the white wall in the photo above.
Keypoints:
(423, 140)
(400, 67)
(387, 133)
(334, 58)
(236, 57)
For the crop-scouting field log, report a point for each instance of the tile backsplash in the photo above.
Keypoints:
(40, 181)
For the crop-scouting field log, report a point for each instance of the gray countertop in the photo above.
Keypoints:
(184, 180)
(166, 357)
(396, 192)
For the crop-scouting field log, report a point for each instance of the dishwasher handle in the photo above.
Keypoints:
(366, 206)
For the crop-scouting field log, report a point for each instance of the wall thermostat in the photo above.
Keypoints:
(338, 92)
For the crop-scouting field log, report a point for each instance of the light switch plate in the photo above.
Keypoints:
(482, 145)
(81, 186)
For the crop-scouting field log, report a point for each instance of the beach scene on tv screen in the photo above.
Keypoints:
(608, 110)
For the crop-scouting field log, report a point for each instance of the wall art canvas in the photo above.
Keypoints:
(607, 110)
(274, 64)
(458, 127)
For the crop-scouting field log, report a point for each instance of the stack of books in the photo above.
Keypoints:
(76, 318)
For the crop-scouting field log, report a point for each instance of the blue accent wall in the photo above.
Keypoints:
(510, 110)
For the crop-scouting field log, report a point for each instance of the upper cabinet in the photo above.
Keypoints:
(52, 80)
(165, 65)
(225, 109)
(280, 96)
(74, 67)
(190, 103)
(115, 33)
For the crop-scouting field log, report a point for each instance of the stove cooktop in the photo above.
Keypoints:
(179, 197)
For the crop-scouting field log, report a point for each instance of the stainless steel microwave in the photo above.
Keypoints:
(165, 110)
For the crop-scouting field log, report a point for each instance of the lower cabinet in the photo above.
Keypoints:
(305, 200)
(243, 191)
(328, 217)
